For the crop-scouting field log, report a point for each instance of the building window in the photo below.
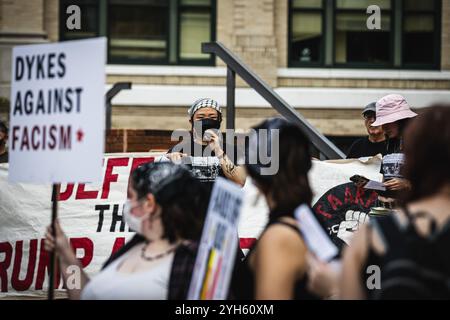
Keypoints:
(138, 31)
(421, 44)
(149, 31)
(89, 20)
(195, 20)
(306, 28)
(354, 42)
(334, 33)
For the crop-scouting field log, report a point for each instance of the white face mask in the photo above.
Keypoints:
(135, 223)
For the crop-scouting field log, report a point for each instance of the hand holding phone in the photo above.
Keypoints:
(360, 181)
(363, 182)
(207, 136)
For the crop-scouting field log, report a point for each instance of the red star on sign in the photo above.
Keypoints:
(80, 135)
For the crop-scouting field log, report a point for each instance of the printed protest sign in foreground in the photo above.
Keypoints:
(57, 112)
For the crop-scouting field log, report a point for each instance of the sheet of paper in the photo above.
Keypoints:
(314, 235)
(375, 185)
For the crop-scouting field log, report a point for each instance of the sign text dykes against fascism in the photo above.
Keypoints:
(45, 101)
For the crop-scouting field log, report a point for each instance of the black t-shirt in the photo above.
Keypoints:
(4, 157)
(203, 162)
(365, 148)
(393, 160)
(391, 166)
(205, 165)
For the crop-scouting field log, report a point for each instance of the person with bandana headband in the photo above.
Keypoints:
(166, 206)
(203, 153)
(3, 140)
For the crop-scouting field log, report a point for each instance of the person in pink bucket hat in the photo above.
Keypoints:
(390, 110)
(393, 113)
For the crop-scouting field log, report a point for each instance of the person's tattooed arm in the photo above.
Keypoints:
(232, 171)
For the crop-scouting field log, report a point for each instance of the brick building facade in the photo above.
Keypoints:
(260, 32)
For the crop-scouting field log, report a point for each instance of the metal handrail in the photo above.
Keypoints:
(235, 65)
(116, 88)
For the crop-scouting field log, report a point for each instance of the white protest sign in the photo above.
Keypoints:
(315, 237)
(57, 112)
(219, 244)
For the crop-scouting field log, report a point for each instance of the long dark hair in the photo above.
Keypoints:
(3, 127)
(402, 124)
(396, 144)
(427, 153)
(184, 200)
(289, 187)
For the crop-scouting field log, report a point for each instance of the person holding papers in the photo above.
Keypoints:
(166, 208)
(406, 255)
(275, 267)
(393, 113)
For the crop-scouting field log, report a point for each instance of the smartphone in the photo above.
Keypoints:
(359, 179)
(208, 133)
(207, 136)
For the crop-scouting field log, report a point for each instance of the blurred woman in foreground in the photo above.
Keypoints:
(276, 264)
(166, 207)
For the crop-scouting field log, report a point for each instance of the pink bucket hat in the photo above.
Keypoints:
(392, 108)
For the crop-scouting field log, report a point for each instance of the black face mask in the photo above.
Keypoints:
(206, 124)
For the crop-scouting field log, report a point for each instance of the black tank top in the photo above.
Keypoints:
(404, 242)
(243, 284)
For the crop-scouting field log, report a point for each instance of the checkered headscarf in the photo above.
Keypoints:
(204, 103)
